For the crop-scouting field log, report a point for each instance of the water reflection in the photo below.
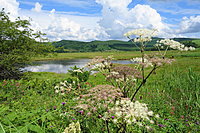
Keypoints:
(62, 66)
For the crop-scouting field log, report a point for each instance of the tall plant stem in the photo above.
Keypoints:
(143, 82)
(142, 51)
(107, 126)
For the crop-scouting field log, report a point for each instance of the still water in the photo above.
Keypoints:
(62, 66)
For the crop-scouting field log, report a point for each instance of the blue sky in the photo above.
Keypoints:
(107, 19)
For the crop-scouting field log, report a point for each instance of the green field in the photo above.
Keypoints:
(31, 104)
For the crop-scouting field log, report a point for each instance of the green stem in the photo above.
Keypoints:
(142, 52)
(107, 126)
(143, 82)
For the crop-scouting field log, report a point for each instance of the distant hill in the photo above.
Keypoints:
(80, 46)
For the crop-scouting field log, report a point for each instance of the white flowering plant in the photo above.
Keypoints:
(73, 128)
(65, 87)
(156, 60)
(126, 113)
(81, 75)
(165, 44)
(101, 64)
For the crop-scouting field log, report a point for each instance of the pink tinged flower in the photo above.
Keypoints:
(94, 109)
(160, 125)
(81, 112)
(99, 116)
(89, 113)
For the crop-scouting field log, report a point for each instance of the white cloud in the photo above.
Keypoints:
(190, 25)
(11, 6)
(37, 8)
(63, 28)
(117, 18)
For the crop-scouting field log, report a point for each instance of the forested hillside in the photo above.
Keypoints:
(79, 46)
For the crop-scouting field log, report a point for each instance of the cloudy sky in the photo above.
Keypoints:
(88, 20)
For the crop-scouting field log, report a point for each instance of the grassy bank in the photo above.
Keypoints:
(31, 104)
(116, 54)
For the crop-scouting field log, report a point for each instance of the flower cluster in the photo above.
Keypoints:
(125, 111)
(152, 61)
(98, 97)
(81, 74)
(101, 64)
(174, 45)
(141, 32)
(141, 61)
(124, 72)
(73, 128)
(143, 39)
(64, 87)
(78, 71)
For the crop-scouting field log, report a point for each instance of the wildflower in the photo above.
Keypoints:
(172, 113)
(148, 127)
(157, 116)
(73, 128)
(151, 121)
(99, 116)
(173, 108)
(81, 112)
(141, 32)
(115, 121)
(150, 113)
(160, 125)
(143, 61)
(174, 45)
(89, 113)
(78, 70)
(129, 112)
(63, 103)
(99, 97)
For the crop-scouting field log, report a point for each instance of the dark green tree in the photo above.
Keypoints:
(17, 45)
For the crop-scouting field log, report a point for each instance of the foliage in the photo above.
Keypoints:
(40, 109)
(104, 101)
(17, 45)
(64, 46)
(190, 43)
(81, 74)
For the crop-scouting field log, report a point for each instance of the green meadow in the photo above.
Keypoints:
(31, 104)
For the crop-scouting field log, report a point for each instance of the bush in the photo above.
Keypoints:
(17, 45)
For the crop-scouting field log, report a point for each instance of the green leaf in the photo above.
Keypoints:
(35, 128)
(12, 116)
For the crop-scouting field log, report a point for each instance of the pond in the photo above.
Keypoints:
(62, 66)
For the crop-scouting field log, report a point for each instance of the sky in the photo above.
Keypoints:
(87, 20)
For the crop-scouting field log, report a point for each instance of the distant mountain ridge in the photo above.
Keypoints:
(93, 46)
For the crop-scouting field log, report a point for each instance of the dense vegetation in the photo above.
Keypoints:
(64, 46)
(17, 45)
(31, 104)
